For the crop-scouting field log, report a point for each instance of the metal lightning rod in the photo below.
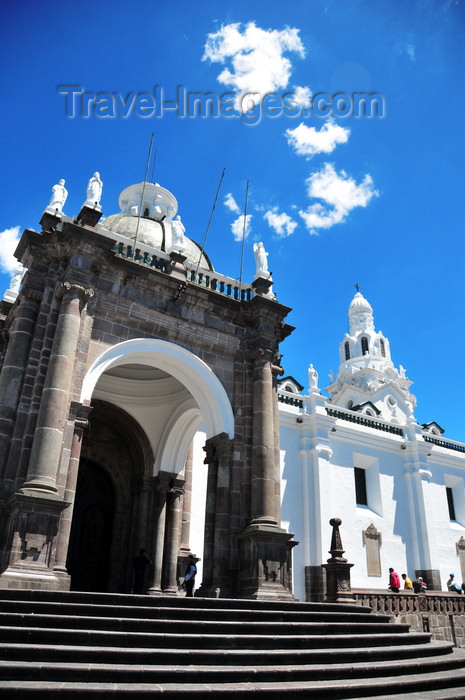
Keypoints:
(243, 230)
(143, 190)
(210, 220)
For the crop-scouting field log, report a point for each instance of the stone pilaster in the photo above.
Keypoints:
(13, 370)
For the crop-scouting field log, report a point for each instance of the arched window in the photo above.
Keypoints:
(383, 349)
(364, 345)
(347, 350)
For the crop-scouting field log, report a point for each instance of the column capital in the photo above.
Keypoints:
(218, 447)
(79, 414)
(68, 288)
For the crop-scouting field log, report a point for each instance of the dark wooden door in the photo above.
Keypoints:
(91, 529)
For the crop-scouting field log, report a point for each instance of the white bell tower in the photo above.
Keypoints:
(367, 380)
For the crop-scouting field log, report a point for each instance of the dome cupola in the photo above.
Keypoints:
(148, 213)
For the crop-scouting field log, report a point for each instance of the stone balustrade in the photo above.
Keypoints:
(227, 286)
(440, 613)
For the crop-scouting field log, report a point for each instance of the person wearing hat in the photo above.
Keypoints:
(452, 586)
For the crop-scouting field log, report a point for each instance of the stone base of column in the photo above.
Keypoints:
(315, 583)
(338, 589)
(432, 578)
(33, 528)
(265, 563)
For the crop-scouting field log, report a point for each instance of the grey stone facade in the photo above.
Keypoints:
(83, 484)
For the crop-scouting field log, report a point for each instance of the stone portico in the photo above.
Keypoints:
(121, 343)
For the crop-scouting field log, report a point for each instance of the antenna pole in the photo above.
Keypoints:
(244, 229)
(143, 190)
(210, 220)
(153, 166)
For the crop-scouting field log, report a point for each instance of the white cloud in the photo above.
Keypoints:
(9, 239)
(282, 223)
(303, 95)
(256, 56)
(237, 227)
(339, 194)
(307, 141)
(231, 203)
(410, 50)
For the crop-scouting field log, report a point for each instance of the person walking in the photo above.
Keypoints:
(189, 577)
(394, 581)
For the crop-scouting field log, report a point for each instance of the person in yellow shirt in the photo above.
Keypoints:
(407, 582)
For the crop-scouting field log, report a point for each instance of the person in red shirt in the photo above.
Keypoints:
(394, 581)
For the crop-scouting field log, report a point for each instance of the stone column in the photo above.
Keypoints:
(156, 552)
(264, 477)
(35, 510)
(210, 512)
(265, 548)
(172, 538)
(54, 406)
(14, 368)
(80, 423)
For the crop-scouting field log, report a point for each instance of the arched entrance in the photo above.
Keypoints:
(168, 393)
(112, 493)
(91, 531)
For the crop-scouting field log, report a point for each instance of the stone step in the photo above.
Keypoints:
(199, 627)
(44, 653)
(192, 613)
(220, 640)
(400, 686)
(114, 645)
(182, 673)
(147, 601)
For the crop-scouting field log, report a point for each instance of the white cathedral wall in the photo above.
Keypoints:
(315, 489)
(199, 492)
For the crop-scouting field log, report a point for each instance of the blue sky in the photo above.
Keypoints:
(336, 200)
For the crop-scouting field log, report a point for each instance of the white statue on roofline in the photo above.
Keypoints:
(58, 198)
(94, 192)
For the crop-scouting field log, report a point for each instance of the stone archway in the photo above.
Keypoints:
(112, 484)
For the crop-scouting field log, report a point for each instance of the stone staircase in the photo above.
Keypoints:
(105, 645)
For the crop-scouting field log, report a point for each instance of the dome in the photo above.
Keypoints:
(359, 303)
(148, 210)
